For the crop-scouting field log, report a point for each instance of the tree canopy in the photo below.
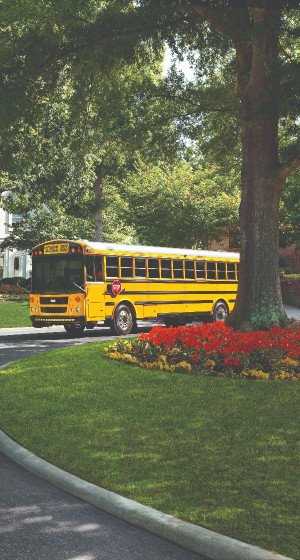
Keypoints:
(246, 60)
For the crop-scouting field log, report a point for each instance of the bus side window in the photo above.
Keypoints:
(140, 267)
(200, 270)
(178, 269)
(126, 267)
(231, 274)
(237, 268)
(221, 267)
(166, 270)
(153, 268)
(112, 267)
(94, 269)
(211, 270)
(189, 270)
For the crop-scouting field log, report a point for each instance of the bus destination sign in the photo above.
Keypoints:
(56, 248)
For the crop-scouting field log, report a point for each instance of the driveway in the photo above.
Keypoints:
(40, 522)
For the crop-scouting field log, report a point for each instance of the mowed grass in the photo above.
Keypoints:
(213, 451)
(14, 314)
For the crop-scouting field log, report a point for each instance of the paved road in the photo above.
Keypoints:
(21, 342)
(40, 522)
(17, 343)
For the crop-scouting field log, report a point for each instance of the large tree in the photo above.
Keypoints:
(255, 39)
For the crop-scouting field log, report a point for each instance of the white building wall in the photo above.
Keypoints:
(13, 263)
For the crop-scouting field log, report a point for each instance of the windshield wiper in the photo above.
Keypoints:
(79, 287)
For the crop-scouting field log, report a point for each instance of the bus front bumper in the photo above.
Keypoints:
(39, 322)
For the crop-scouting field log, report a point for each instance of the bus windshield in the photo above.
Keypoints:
(57, 273)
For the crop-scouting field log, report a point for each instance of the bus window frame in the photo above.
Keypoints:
(121, 268)
(181, 260)
(234, 271)
(135, 268)
(204, 279)
(118, 266)
(158, 277)
(163, 268)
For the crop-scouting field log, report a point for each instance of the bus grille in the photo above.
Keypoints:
(53, 309)
(58, 300)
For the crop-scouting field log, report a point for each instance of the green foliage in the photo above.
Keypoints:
(180, 205)
(290, 212)
(44, 223)
(85, 130)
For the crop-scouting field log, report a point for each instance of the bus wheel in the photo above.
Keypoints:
(123, 320)
(73, 330)
(220, 312)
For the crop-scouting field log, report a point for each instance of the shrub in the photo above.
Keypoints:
(12, 290)
(290, 287)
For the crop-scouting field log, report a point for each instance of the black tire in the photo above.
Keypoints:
(74, 331)
(220, 312)
(124, 321)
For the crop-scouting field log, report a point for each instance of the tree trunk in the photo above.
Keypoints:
(98, 208)
(259, 302)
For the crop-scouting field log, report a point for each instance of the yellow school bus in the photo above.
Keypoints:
(78, 284)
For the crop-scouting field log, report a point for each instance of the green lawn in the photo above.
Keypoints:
(218, 452)
(14, 314)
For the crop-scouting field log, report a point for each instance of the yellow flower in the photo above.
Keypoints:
(255, 374)
(129, 358)
(163, 359)
(289, 362)
(210, 364)
(115, 355)
(151, 365)
(185, 366)
(286, 376)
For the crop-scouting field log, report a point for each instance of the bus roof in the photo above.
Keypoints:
(144, 249)
(102, 247)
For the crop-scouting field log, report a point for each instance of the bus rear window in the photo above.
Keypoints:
(231, 274)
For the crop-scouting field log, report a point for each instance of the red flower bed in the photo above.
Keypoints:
(215, 349)
(226, 347)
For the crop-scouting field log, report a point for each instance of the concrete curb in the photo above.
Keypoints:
(7, 364)
(191, 537)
